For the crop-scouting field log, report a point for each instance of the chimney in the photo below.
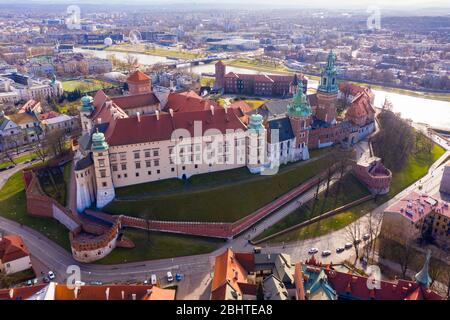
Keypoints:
(138, 114)
(171, 112)
(133, 296)
(107, 293)
(212, 109)
(123, 295)
(157, 114)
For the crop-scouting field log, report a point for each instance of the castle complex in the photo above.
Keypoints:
(146, 136)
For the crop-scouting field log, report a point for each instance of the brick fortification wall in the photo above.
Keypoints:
(89, 242)
(212, 229)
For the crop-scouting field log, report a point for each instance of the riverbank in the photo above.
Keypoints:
(156, 51)
(281, 69)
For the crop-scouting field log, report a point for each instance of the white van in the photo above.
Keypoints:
(153, 279)
(169, 276)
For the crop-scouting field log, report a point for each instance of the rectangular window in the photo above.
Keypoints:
(147, 153)
(138, 165)
(156, 152)
(137, 174)
(149, 173)
(103, 173)
(114, 167)
(123, 156)
(158, 171)
(101, 162)
(148, 163)
(137, 155)
(113, 157)
(123, 166)
(156, 162)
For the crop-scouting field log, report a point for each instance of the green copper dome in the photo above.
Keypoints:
(328, 81)
(86, 104)
(256, 122)
(98, 142)
(299, 107)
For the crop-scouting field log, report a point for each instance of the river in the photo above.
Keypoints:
(435, 113)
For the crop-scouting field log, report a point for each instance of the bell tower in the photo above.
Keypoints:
(220, 69)
(85, 113)
(299, 114)
(103, 178)
(256, 144)
(327, 91)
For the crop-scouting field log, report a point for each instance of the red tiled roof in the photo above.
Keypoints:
(135, 101)
(186, 102)
(48, 115)
(138, 76)
(356, 285)
(227, 271)
(150, 129)
(22, 293)
(30, 104)
(12, 248)
(94, 292)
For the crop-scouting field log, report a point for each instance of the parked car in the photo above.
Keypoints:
(79, 283)
(10, 166)
(153, 279)
(169, 276)
(340, 249)
(313, 250)
(326, 253)
(178, 276)
(348, 245)
(366, 237)
(51, 275)
(3, 169)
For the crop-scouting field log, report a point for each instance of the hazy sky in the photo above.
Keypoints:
(316, 3)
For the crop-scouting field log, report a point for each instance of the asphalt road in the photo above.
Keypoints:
(197, 269)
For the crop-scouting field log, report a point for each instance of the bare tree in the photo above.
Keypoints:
(353, 234)
(374, 222)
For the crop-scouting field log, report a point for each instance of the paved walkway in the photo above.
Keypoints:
(197, 269)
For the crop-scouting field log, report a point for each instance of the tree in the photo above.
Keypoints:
(5, 280)
(353, 234)
(374, 222)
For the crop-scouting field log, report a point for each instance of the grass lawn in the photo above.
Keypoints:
(159, 246)
(351, 190)
(207, 81)
(156, 51)
(18, 160)
(255, 103)
(416, 167)
(55, 184)
(13, 207)
(220, 197)
(85, 85)
(264, 66)
(68, 105)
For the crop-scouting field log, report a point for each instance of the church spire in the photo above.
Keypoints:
(423, 276)
(328, 83)
(299, 107)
